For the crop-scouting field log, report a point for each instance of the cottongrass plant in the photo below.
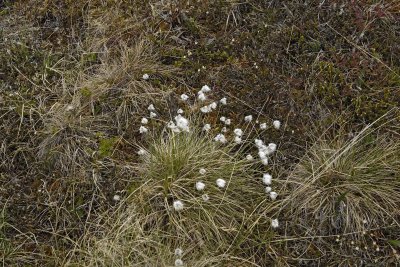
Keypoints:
(196, 192)
(190, 205)
(193, 190)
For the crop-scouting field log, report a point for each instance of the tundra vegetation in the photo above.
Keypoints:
(199, 133)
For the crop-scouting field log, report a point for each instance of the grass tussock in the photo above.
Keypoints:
(212, 216)
(148, 226)
(68, 141)
(347, 186)
(117, 83)
(124, 241)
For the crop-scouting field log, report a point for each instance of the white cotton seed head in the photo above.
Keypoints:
(248, 118)
(145, 76)
(223, 101)
(205, 197)
(153, 115)
(143, 129)
(222, 119)
(207, 127)
(144, 121)
(202, 171)
(182, 123)
(116, 197)
(274, 223)
(263, 148)
(178, 205)
(263, 126)
(69, 108)
(205, 89)
(151, 107)
(262, 154)
(238, 140)
(205, 109)
(273, 195)
(267, 179)
(179, 111)
(249, 157)
(221, 183)
(258, 142)
(228, 122)
(178, 262)
(200, 186)
(277, 124)
(268, 189)
(141, 152)
(201, 96)
(213, 105)
(178, 252)
(224, 129)
(220, 138)
(184, 97)
(264, 161)
(272, 147)
(238, 132)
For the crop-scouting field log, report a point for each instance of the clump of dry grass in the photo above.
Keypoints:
(121, 239)
(68, 139)
(118, 87)
(147, 227)
(171, 167)
(347, 186)
(109, 99)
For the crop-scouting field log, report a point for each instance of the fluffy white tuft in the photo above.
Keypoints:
(248, 118)
(274, 223)
(143, 130)
(238, 132)
(178, 205)
(273, 195)
(277, 124)
(200, 186)
(220, 138)
(144, 121)
(184, 97)
(207, 127)
(267, 179)
(151, 107)
(221, 183)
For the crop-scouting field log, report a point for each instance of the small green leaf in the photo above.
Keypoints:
(106, 146)
(395, 243)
